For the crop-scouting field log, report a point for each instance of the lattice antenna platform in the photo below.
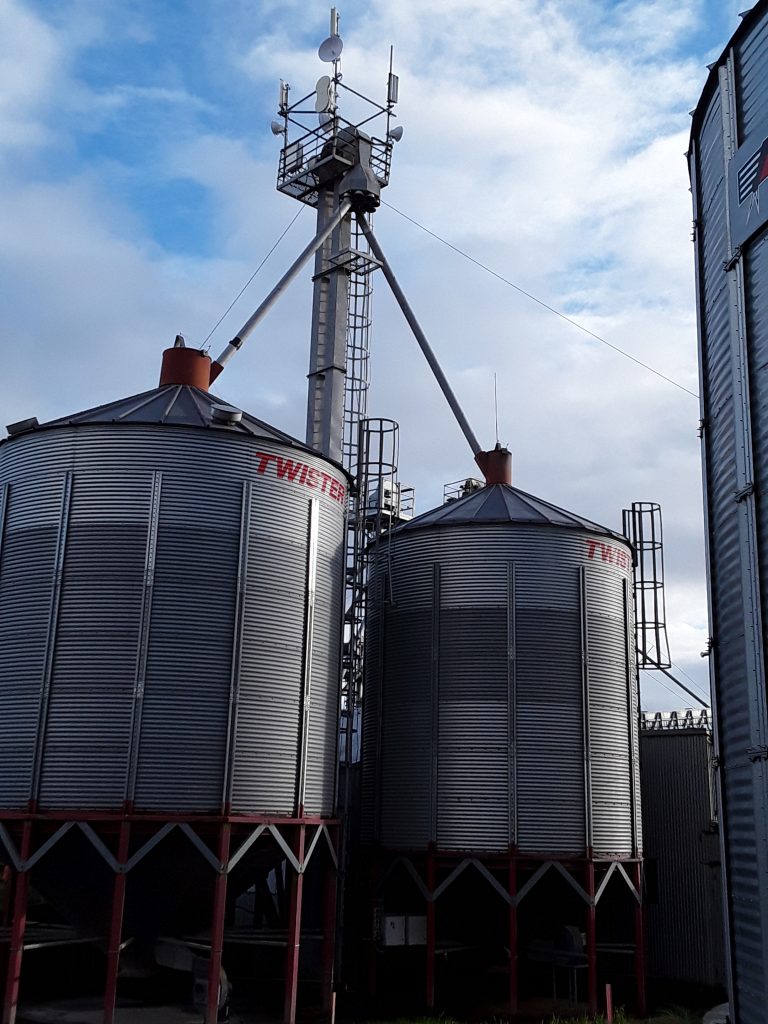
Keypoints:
(321, 146)
(643, 527)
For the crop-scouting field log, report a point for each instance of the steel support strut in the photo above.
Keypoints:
(116, 925)
(217, 926)
(431, 933)
(513, 998)
(18, 926)
(250, 324)
(421, 338)
(294, 932)
(329, 936)
(591, 939)
(640, 940)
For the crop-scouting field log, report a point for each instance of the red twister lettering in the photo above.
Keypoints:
(300, 473)
(598, 550)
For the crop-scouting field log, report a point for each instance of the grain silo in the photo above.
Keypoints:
(171, 578)
(500, 728)
(728, 159)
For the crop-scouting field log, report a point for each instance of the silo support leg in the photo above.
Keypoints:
(116, 927)
(513, 997)
(431, 935)
(591, 940)
(639, 941)
(217, 926)
(294, 934)
(329, 936)
(18, 927)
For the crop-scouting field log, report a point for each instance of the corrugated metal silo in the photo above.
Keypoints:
(501, 731)
(729, 174)
(171, 582)
(154, 603)
(501, 696)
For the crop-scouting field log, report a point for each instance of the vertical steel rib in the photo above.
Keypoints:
(50, 642)
(435, 704)
(585, 709)
(306, 688)
(230, 753)
(631, 718)
(512, 702)
(144, 629)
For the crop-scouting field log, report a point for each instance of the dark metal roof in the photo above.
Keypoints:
(175, 405)
(502, 503)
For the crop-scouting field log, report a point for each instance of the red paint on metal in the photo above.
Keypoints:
(639, 940)
(609, 1004)
(18, 927)
(186, 366)
(329, 936)
(162, 819)
(513, 997)
(591, 939)
(216, 369)
(431, 934)
(116, 926)
(294, 934)
(495, 465)
(217, 926)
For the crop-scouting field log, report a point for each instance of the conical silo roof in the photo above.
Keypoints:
(503, 503)
(176, 405)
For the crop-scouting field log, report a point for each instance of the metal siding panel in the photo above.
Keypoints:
(549, 734)
(474, 804)
(473, 727)
(609, 737)
(727, 360)
(685, 927)
(752, 82)
(267, 742)
(326, 676)
(27, 569)
(186, 699)
(87, 735)
(405, 765)
(181, 740)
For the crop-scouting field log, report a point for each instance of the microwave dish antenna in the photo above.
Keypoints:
(330, 49)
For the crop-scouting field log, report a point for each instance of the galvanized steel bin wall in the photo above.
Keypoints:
(500, 703)
(169, 605)
(683, 904)
(729, 175)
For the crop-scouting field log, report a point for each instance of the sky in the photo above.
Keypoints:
(544, 138)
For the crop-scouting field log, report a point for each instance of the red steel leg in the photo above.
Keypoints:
(591, 939)
(329, 935)
(294, 935)
(640, 941)
(18, 926)
(431, 934)
(217, 926)
(116, 926)
(7, 877)
(513, 997)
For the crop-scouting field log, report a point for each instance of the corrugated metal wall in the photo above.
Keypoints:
(503, 649)
(684, 912)
(153, 605)
(729, 129)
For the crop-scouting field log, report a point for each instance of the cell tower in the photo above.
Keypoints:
(329, 162)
